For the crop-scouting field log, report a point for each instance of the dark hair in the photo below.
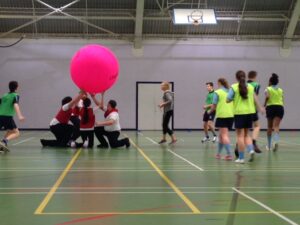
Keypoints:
(241, 77)
(210, 84)
(224, 82)
(66, 100)
(252, 74)
(274, 79)
(112, 103)
(13, 85)
(86, 105)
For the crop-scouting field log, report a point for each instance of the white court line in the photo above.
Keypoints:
(265, 207)
(177, 155)
(25, 140)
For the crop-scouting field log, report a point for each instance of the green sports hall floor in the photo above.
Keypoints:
(148, 184)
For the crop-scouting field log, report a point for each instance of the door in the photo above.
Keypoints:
(149, 115)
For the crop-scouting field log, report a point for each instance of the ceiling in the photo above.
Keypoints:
(137, 20)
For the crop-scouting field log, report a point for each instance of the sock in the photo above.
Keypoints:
(213, 132)
(241, 155)
(5, 141)
(207, 136)
(254, 142)
(220, 147)
(269, 141)
(276, 137)
(249, 148)
(228, 149)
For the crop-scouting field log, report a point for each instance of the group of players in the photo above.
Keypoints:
(237, 104)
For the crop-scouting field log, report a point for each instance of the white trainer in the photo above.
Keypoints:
(241, 161)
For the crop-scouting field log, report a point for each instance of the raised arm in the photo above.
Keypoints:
(76, 99)
(100, 103)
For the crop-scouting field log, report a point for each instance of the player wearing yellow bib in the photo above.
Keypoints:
(244, 99)
(274, 109)
(224, 117)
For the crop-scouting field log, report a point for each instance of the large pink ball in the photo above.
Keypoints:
(94, 68)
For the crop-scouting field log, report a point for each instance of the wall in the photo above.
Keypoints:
(42, 69)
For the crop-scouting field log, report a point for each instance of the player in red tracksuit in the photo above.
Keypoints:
(60, 125)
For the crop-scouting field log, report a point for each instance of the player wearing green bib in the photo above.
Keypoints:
(224, 117)
(274, 109)
(208, 118)
(9, 106)
(244, 99)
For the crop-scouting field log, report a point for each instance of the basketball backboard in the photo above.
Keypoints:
(194, 16)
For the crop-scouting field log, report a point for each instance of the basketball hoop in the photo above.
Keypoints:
(196, 17)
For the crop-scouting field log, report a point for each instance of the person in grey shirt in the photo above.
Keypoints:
(168, 106)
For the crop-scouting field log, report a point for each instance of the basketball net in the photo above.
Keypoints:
(196, 17)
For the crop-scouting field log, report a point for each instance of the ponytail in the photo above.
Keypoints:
(241, 77)
(223, 82)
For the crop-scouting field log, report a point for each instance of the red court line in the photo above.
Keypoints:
(85, 219)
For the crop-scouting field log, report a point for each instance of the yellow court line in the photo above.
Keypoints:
(187, 201)
(168, 213)
(50, 194)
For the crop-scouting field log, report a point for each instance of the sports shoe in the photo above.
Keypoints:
(205, 139)
(241, 161)
(162, 141)
(85, 144)
(251, 156)
(228, 158)
(256, 149)
(215, 139)
(127, 143)
(3, 147)
(218, 156)
(73, 144)
(275, 147)
(267, 148)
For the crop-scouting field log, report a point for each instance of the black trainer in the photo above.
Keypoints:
(127, 143)
(162, 141)
(256, 149)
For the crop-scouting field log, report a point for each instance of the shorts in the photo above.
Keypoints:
(243, 121)
(208, 117)
(224, 123)
(7, 122)
(273, 111)
(255, 117)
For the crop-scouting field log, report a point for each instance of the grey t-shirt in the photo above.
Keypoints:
(169, 98)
